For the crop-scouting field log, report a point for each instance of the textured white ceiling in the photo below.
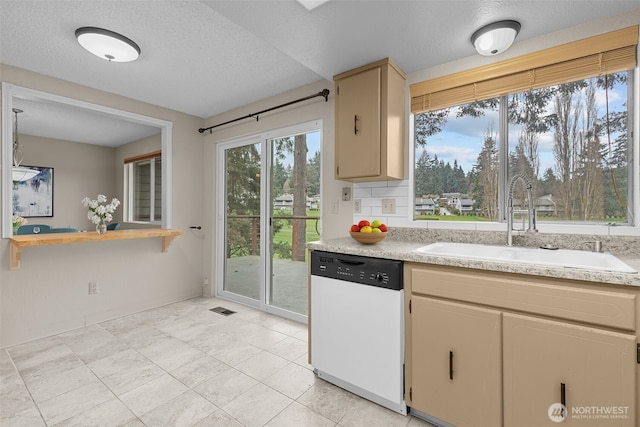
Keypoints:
(193, 59)
(207, 57)
(417, 34)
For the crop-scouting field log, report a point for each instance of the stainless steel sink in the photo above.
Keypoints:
(545, 257)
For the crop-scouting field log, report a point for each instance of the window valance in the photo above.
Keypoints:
(603, 54)
(147, 156)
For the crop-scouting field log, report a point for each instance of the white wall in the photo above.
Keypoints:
(371, 194)
(49, 293)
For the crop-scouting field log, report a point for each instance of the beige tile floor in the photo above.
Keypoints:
(178, 365)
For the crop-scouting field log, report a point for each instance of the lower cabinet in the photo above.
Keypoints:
(590, 371)
(499, 350)
(457, 362)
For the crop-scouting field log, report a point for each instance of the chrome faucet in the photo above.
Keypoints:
(531, 210)
(597, 245)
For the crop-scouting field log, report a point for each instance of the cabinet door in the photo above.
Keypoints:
(358, 125)
(595, 368)
(456, 362)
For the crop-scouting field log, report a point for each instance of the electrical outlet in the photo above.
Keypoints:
(205, 281)
(388, 206)
(357, 206)
(346, 194)
(93, 288)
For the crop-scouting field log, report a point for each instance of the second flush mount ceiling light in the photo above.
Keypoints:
(495, 38)
(107, 44)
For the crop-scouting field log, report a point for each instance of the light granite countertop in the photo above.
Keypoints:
(400, 249)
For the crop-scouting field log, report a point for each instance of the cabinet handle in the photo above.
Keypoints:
(563, 395)
(355, 124)
(451, 365)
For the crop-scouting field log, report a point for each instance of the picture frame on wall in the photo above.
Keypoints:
(34, 198)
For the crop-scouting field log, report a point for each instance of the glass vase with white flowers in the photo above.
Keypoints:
(16, 222)
(100, 214)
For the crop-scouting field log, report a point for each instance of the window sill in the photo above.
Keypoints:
(19, 242)
(548, 228)
(149, 223)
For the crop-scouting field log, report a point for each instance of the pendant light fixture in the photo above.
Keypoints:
(495, 38)
(107, 44)
(19, 173)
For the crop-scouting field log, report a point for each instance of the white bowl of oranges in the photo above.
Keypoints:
(367, 232)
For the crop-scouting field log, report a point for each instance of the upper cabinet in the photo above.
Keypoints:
(370, 117)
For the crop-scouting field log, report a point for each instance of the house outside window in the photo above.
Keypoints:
(143, 188)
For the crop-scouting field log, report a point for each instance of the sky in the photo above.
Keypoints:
(313, 145)
(462, 138)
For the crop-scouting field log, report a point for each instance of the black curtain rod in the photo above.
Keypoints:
(324, 93)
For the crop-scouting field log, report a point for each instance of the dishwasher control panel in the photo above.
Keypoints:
(380, 272)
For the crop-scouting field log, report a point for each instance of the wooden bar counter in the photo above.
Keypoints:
(21, 241)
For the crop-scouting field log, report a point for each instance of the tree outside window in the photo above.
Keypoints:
(570, 140)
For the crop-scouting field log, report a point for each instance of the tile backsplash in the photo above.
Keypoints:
(402, 226)
(371, 195)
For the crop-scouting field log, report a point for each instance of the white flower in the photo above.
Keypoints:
(98, 212)
(17, 220)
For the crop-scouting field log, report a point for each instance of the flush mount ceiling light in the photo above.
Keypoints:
(108, 45)
(495, 38)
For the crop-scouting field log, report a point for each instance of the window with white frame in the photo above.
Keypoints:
(571, 137)
(143, 183)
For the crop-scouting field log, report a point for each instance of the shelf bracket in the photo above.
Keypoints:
(166, 242)
(15, 252)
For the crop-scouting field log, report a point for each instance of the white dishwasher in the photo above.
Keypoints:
(357, 325)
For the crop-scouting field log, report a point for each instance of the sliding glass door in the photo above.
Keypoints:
(242, 202)
(295, 216)
(269, 207)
